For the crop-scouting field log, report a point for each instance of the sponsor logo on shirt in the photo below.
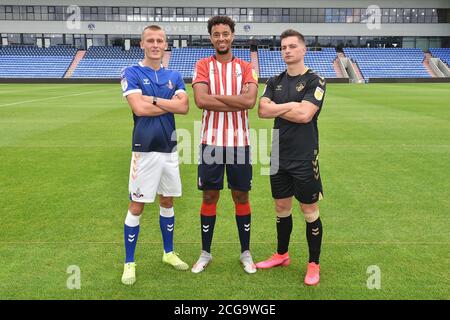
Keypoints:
(170, 85)
(146, 81)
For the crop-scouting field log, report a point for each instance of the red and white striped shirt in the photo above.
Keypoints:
(230, 129)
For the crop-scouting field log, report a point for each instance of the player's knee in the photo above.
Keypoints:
(240, 197)
(136, 208)
(211, 197)
(166, 202)
(309, 208)
(284, 213)
(311, 216)
(283, 208)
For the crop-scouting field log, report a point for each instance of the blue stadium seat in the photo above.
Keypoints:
(271, 62)
(441, 53)
(35, 62)
(388, 62)
(184, 59)
(106, 62)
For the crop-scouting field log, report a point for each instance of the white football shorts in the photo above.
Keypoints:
(154, 173)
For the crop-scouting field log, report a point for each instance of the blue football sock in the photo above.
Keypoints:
(167, 225)
(130, 236)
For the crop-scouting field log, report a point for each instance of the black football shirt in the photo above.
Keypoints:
(296, 141)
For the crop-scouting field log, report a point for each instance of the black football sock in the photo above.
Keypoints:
(284, 229)
(314, 237)
(243, 225)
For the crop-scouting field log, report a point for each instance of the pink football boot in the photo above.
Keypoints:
(312, 274)
(274, 261)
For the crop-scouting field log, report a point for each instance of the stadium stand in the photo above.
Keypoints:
(184, 59)
(388, 62)
(441, 53)
(271, 63)
(106, 62)
(35, 62)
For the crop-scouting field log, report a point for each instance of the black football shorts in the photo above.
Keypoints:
(299, 178)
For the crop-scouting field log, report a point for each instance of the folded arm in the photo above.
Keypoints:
(178, 104)
(269, 109)
(206, 101)
(142, 106)
(303, 112)
(246, 100)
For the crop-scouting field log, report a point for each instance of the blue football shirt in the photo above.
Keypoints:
(153, 134)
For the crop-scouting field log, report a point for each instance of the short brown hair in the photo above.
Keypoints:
(213, 21)
(152, 27)
(292, 33)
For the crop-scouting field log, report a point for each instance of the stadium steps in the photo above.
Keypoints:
(426, 64)
(166, 59)
(439, 67)
(254, 61)
(359, 76)
(76, 60)
(337, 68)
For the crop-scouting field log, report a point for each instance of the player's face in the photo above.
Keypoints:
(293, 50)
(221, 38)
(154, 43)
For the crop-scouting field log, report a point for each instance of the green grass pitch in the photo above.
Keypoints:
(385, 164)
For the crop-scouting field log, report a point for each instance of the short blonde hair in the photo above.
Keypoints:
(153, 27)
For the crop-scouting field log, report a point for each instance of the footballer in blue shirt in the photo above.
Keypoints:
(154, 94)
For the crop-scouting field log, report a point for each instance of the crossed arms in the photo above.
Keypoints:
(142, 106)
(299, 112)
(243, 101)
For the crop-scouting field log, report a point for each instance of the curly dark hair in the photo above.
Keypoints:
(213, 21)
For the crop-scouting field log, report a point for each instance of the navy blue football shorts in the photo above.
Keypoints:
(215, 160)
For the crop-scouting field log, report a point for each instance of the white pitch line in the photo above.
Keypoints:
(228, 242)
(52, 98)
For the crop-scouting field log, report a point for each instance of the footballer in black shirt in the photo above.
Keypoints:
(294, 98)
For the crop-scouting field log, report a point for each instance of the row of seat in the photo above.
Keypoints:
(388, 62)
(441, 53)
(271, 62)
(184, 59)
(108, 61)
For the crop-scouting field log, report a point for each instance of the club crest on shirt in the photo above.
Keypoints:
(299, 87)
(124, 84)
(170, 85)
(318, 94)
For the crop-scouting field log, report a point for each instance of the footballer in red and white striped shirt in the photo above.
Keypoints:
(226, 78)
(225, 88)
